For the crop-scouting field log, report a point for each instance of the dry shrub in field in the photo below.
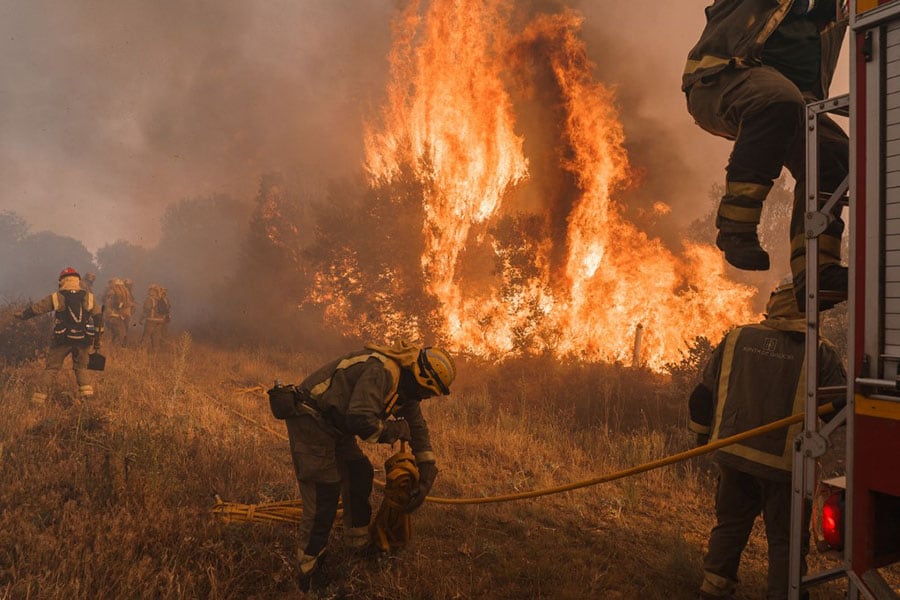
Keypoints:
(21, 340)
(612, 397)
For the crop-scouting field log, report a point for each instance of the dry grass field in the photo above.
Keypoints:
(110, 498)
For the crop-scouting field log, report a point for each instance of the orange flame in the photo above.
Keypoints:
(450, 116)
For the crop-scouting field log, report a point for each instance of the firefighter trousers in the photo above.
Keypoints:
(765, 114)
(740, 498)
(328, 466)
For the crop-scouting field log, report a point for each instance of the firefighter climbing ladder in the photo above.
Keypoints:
(871, 527)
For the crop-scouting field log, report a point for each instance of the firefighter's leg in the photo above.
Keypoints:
(356, 477)
(738, 502)
(82, 376)
(777, 516)
(154, 336)
(763, 112)
(116, 326)
(834, 164)
(126, 323)
(55, 357)
(315, 464)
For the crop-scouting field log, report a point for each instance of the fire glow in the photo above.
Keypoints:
(572, 276)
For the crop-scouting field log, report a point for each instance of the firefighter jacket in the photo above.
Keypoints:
(156, 309)
(355, 394)
(755, 376)
(118, 302)
(736, 32)
(78, 327)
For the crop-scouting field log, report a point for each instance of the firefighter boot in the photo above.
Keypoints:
(833, 281)
(742, 250)
(310, 570)
(736, 218)
(357, 538)
(832, 288)
(716, 587)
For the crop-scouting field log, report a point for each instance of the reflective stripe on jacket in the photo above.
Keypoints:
(757, 375)
(356, 393)
(737, 30)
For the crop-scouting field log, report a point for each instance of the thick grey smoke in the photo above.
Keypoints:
(109, 111)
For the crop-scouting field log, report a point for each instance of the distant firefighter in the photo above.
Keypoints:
(155, 316)
(166, 306)
(78, 326)
(372, 394)
(87, 282)
(756, 376)
(119, 306)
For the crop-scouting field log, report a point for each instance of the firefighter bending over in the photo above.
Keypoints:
(78, 325)
(748, 79)
(372, 394)
(756, 376)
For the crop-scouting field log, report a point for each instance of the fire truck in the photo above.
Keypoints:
(863, 520)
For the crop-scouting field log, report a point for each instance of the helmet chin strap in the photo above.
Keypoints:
(428, 372)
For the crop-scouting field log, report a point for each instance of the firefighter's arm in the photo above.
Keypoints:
(40, 307)
(24, 315)
(421, 447)
(147, 309)
(702, 403)
(97, 314)
(420, 439)
(363, 416)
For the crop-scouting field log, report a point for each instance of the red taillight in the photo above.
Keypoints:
(833, 521)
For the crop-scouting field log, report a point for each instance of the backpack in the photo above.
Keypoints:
(162, 307)
(74, 321)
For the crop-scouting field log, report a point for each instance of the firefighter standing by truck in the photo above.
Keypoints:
(755, 376)
(77, 328)
(372, 394)
(748, 79)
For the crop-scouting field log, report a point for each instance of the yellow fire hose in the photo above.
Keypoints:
(287, 511)
(648, 466)
(293, 515)
(391, 528)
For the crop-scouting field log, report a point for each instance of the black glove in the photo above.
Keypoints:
(394, 429)
(24, 315)
(427, 473)
(702, 439)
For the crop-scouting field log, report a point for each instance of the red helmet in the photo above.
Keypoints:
(68, 272)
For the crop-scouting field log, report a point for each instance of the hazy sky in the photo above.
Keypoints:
(109, 111)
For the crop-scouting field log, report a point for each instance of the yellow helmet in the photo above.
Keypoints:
(435, 370)
(782, 302)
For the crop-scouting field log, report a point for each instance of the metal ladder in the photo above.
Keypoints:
(813, 442)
